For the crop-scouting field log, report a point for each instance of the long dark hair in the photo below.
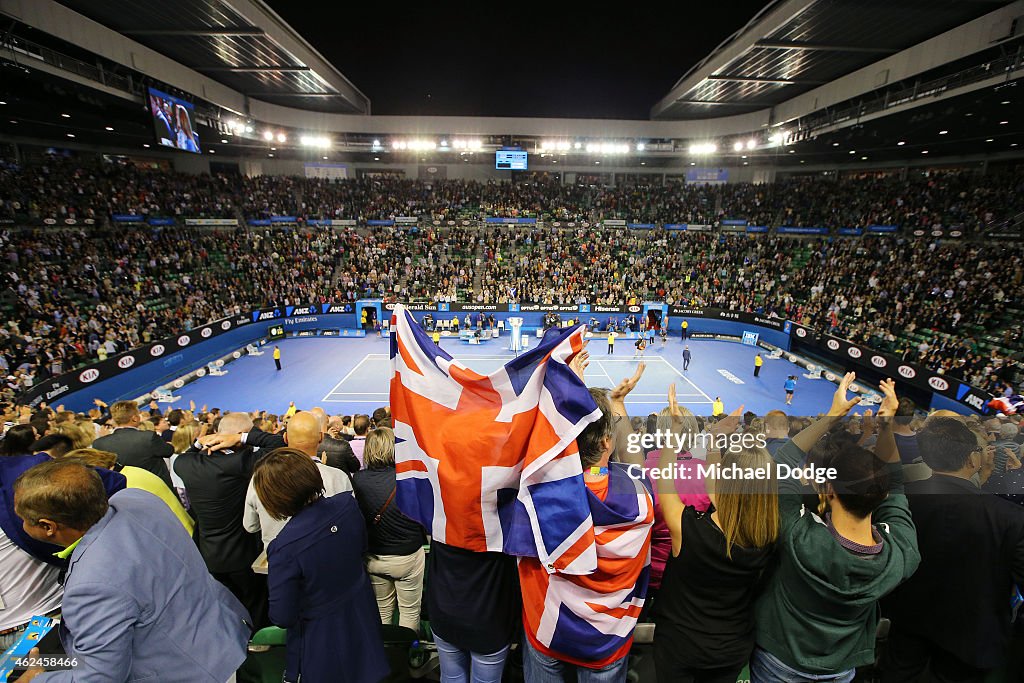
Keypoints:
(18, 440)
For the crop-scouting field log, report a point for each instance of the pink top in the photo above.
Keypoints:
(691, 490)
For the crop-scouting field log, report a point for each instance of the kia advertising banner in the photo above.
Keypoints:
(902, 371)
(50, 390)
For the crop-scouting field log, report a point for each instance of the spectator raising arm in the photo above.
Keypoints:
(622, 429)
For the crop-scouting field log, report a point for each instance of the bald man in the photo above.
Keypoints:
(336, 452)
(303, 435)
(260, 439)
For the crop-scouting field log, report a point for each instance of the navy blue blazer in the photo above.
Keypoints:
(320, 593)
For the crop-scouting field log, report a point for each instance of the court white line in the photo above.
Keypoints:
(345, 378)
(605, 372)
(688, 381)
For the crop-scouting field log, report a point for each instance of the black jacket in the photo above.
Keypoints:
(396, 534)
(972, 551)
(216, 484)
(339, 453)
(137, 448)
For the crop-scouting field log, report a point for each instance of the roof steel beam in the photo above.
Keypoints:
(821, 47)
(198, 31)
(759, 79)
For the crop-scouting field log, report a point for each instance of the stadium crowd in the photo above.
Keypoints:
(215, 523)
(61, 188)
(78, 295)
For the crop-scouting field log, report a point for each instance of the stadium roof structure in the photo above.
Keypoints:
(793, 46)
(242, 44)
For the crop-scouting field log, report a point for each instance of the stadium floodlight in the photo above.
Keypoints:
(315, 141)
(376, 143)
(593, 147)
(281, 137)
(703, 148)
(640, 146)
(900, 143)
(475, 144)
(776, 138)
(248, 129)
(737, 147)
(267, 135)
(751, 143)
(578, 145)
(564, 146)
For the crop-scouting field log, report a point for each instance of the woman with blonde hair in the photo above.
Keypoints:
(395, 559)
(81, 434)
(705, 617)
(182, 439)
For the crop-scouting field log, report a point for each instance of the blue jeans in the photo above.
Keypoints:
(765, 668)
(539, 668)
(463, 666)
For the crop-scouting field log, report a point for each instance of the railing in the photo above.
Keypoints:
(894, 97)
(20, 50)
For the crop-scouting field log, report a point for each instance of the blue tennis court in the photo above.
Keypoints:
(348, 376)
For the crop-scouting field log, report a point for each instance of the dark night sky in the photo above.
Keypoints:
(508, 59)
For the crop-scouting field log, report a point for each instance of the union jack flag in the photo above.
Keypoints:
(482, 459)
(589, 620)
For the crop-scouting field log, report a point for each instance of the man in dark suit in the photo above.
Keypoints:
(175, 419)
(333, 452)
(216, 484)
(133, 446)
(952, 617)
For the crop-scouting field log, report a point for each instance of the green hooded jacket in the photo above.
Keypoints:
(819, 612)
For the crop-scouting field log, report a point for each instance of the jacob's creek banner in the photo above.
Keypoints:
(164, 351)
(892, 366)
(722, 314)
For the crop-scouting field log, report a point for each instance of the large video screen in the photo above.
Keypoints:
(510, 160)
(173, 121)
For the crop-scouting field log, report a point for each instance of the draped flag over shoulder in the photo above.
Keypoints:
(481, 459)
(589, 620)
